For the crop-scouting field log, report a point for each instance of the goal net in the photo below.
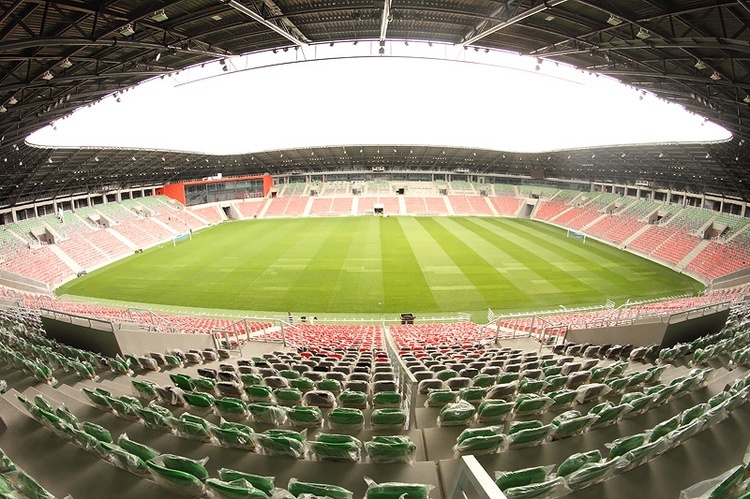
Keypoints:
(577, 235)
(182, 237)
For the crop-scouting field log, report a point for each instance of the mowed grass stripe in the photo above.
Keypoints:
(620, 275)
(361, 277)
(565, 274)
(488, 281)
(569, 252)
(404, 285)
(450, 287)
(539, 275)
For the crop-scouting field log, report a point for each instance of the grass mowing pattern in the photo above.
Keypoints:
(373, 265)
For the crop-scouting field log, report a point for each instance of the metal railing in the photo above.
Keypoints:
(471, 473)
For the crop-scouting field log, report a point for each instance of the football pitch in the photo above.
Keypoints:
(373, 266)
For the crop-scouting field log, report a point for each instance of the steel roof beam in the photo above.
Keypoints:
(513, 20)
(268, 24)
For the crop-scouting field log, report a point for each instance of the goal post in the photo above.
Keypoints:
(577, 235)
(182, 237)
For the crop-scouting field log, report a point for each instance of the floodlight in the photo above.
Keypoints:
(65, 64)
(47, 76)
(614, 20)
(700, 64)
(642, 34)
(127, 30)
(159, 16)
(715, 76)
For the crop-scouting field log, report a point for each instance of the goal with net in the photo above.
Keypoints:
(182, 237)
(577, 235)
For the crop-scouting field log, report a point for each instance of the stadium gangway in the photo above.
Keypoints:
(231, 334)
(471, 473)
(517, 316)
(407, 383)
(155, 324)
(90, 322)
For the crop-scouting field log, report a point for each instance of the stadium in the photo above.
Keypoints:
(365, 306)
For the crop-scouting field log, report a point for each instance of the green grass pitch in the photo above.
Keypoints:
(381, 266)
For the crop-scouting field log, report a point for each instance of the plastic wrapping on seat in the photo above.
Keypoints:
(311, 489)
(303, 384)
(591, 391)
(191, 427)
(507, 377)
(527, 385)
(646, 452)
(576, 461)
(483, 380)
(386, 399)
(353, 399)
(388, 418)
(263, 483)
(571, 423)
(319, 398)
(199, 403)
(259, 393)
(529, 437)
(623, 445)
(231, 409)
(154, 416)
(234, 435)
(639, 402)
(230, 389)
(144, 452)
(532, 404)
(330, 385)
(556, 382)
(525, 476)
(288, 396)
(389, 490)
(479, 441)
(426, 385)
(456, 414)
(473, 394)
(725, 485)
(177, 480)
(237, 489)
(124, 407)
(346, 419)
(505, 391)
(100, 400)
(182, 381)
(171, 395)
(264, 412)
(127, 461)
(577, 378)
(144, 388)
(440, 397)
(390, 449)
(205, 385)
(305, 416)
(591, 474)
(608, 413)
(278, 442)
(335, 447)
(494, 411)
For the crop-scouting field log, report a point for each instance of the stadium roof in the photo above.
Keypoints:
(57, 56)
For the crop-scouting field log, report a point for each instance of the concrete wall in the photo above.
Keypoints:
(683, 328)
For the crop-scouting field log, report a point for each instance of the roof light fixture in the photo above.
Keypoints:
(127, 30)
(159, 16)
(614, 20)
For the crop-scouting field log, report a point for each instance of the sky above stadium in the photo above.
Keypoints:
(346, 94)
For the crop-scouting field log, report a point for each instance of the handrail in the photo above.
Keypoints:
(470, 472)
